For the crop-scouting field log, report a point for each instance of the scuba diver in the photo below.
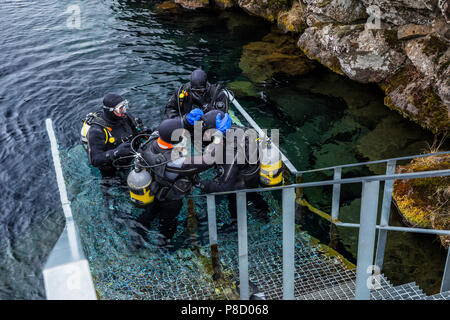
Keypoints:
(107, 134)
(173, 174)
(233, 176)
(197, 93)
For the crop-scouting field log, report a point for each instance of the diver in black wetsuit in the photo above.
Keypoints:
(173, 174)
(197, 93)
(109, 134)
(234, 175)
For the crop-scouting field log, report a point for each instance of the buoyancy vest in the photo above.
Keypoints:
(169, 185)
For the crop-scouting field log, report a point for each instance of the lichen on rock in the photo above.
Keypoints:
(193, 4)
(268, 9)
(292, 20)
(425, 203)
(343, 11)
(412, 94)
(362, 54)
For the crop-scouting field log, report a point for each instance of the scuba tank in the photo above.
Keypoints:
(139, 181)
(270, 174)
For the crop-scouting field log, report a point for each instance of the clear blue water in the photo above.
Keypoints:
(51, 71)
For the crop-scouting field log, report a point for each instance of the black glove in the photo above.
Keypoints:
(122, 150)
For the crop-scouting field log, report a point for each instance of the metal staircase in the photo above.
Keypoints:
(281, 260)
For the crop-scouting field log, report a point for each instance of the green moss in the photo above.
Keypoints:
(279, 4)
(434, 45)
(391, 39)
(432, 109)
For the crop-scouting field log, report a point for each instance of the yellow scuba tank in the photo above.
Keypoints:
(139, 181)
(270, 173)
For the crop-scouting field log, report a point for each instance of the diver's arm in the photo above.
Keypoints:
(226, 182)
(188, 166)
(171, 109)
(98, 153)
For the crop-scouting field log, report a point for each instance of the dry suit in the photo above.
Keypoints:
(197, 93)
(234, 176)
(173, 179)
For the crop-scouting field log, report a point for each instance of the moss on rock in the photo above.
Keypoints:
(425, 203)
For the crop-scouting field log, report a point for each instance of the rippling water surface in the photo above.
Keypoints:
(49, 70)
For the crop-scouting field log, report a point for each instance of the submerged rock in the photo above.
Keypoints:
(243, 89)
(361, 54)
(385, 141)
(276, 53)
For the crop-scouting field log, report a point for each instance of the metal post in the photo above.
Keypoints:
(336, 194)
(445, 285)
(334, 239)
(288, 204)
(385, 213)
(366, 240)
(241, 203)
(212, 231)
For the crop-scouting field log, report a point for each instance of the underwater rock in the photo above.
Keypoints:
(243, 89)
(343, 11)
(193, 4)
(276, 53)
(385, 141)
(363, 55)
(292, 20)
(425, 203)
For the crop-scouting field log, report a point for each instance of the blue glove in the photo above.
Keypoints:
(194, 115)
(223, 124)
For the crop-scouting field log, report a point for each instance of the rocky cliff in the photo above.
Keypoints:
(402, 45)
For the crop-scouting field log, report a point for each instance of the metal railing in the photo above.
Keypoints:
(368, 227)
(66, 272)
(368, 217)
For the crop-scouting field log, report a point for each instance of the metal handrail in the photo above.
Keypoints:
(374, 162)
(410, 175)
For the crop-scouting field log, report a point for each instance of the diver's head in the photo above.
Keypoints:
(171, 131)
(114, 106)
(199, 84)
(215, 121)
(209, 119)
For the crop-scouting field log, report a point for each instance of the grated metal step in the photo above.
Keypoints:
(440, 296)
(342, 291)
(408, 291)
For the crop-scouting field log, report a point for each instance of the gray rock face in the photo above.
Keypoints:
(431, 56)
(444, 6)
(264, 8)
(400, 12)
(363, 55)
(193, 4)
(344, 11)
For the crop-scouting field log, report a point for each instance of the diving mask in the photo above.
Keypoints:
(120, 110)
